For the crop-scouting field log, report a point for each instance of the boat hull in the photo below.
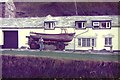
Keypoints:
(64, 37)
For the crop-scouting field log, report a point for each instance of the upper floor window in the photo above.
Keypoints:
(49, 25)
(80, 24)
(102, 24)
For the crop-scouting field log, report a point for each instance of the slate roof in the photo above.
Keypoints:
(68, 21)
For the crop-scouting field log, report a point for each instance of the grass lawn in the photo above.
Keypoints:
(66, 55)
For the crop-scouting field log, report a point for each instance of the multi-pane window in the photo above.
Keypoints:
(49, 25)
(108, 41)
(80, 24)
(86, 42)
(102, 24)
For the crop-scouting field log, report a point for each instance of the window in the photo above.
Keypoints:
(80, 24)
(86, 42)
(102, 24)
(49, 25)
(108, 41)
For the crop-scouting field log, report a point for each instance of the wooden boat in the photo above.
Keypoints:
(59, 41)
(64, 37)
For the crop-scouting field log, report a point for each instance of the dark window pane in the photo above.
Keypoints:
(49, 26)
(103, 24)
(88, 42)
(79, 42)
(110, 41)
(106, 41)
(93, 42)
(84, 42)
(79, 25)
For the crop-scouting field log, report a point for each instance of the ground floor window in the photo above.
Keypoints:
(86, 42)
(108, 41)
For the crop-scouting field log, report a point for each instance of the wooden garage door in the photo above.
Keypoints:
(10, 39)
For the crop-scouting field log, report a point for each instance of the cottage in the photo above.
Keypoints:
(92, 32)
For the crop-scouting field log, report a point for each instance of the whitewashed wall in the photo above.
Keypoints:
(100, 38)
(1, 37)
(99, 34)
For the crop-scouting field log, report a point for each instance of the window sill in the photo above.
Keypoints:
(80, 28)
(86, 46)
(108, 46)
(49, 29)
(100, 28)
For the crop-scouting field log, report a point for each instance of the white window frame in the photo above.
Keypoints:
(96, 23)
(82, 22)
(108, 41)
(51, 24)
(106, 23)
(108, 26)
(99, 24)
(80, 42)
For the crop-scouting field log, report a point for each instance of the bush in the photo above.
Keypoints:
(39, 67)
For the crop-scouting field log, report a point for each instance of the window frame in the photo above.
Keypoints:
(101, 23)
(83, 24)
(87, 42)
(109, 41)
(49, 23)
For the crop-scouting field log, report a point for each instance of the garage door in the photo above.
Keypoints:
(10, 39)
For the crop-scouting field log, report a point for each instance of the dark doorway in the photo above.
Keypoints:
(10, 39)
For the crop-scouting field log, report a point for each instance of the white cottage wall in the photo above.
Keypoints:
(101, 34)
(100, 38)
(1, 37)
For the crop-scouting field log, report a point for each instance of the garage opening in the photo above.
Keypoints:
(10, 39)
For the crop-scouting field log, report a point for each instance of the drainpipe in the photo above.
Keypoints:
(78, 35)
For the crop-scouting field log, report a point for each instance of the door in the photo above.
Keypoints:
(10, 39)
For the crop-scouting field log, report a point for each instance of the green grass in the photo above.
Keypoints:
(71, 55)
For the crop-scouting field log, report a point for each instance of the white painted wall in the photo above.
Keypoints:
(99, 35)
(1, 37)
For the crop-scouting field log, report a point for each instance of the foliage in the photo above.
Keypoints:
(40, 67)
